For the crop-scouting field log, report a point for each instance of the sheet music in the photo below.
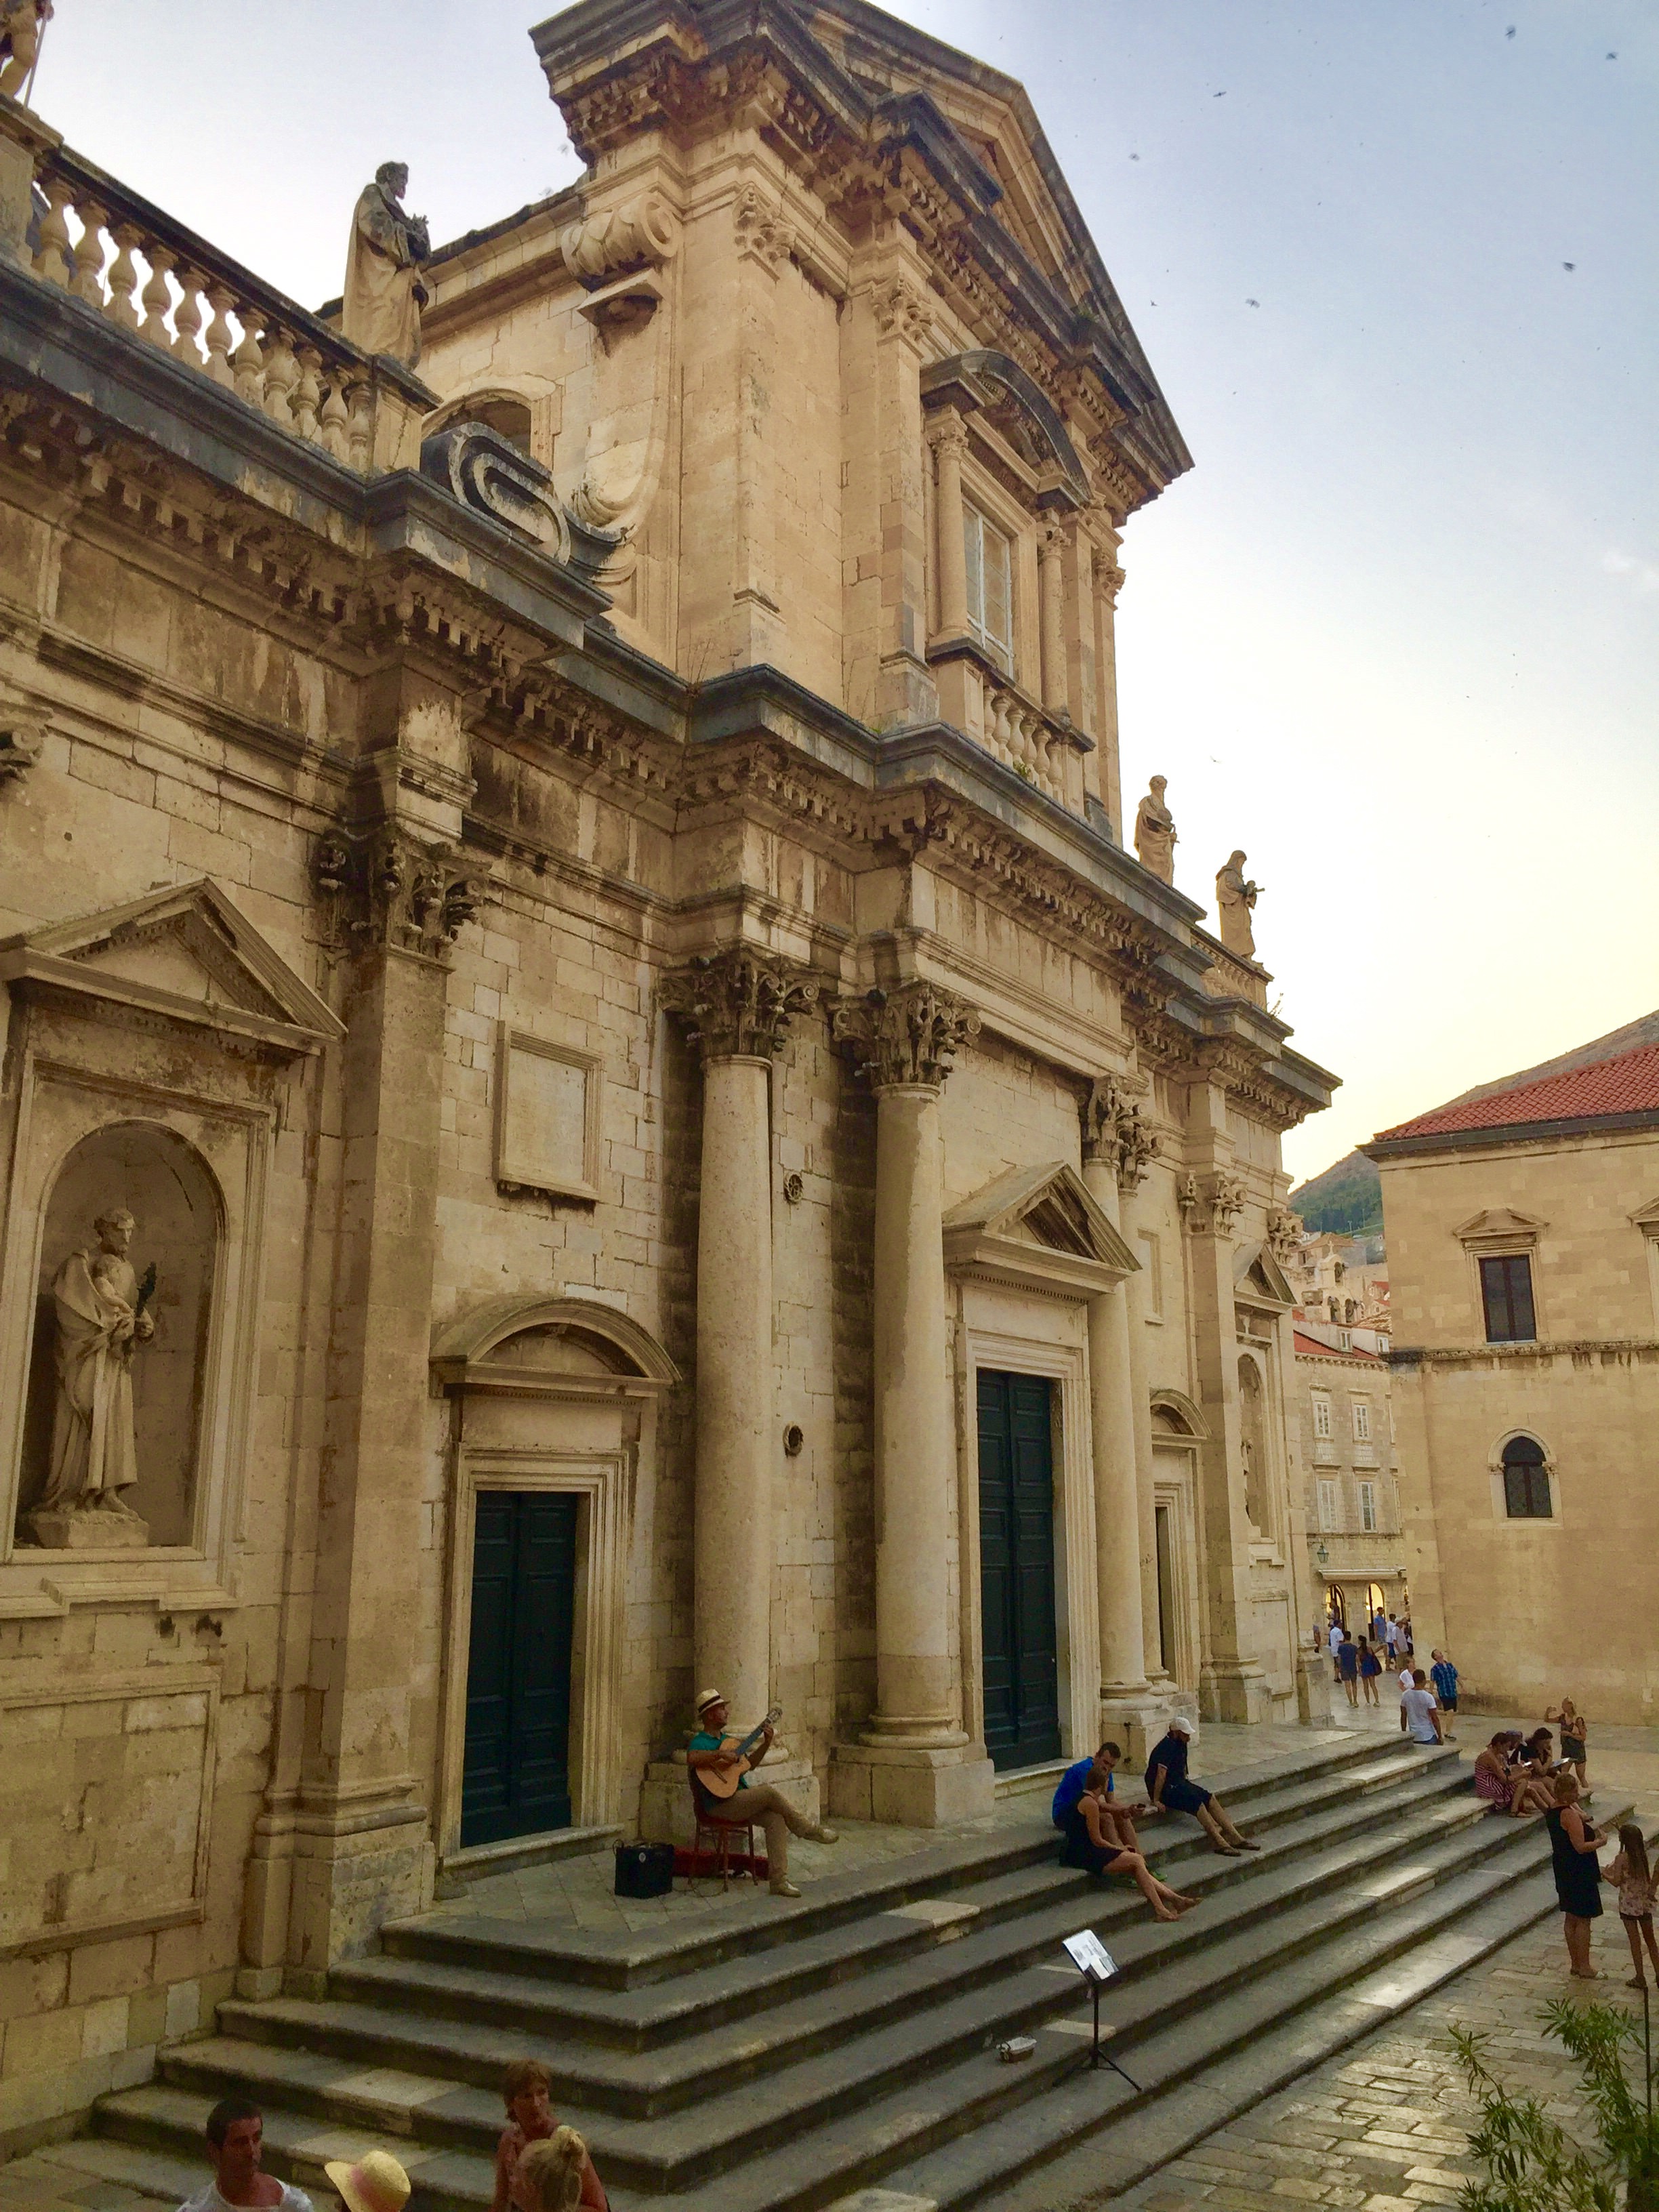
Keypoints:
(1091, 1955)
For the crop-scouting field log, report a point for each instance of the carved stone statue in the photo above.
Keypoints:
(384, 293)
(101, 1318)
(21, 22)
(1155, 833)
(1236, 897)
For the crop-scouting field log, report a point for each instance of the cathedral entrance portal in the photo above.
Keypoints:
(516, 1774)
(1017, 1569)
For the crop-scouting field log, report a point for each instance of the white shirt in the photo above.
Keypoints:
(1336, 1638)
(1417, 1705)
(208, 2199)
(1393, 1635)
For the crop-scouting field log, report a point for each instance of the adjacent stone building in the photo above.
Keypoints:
(1522, 1232)
(593, 1101)
(1344, 1422)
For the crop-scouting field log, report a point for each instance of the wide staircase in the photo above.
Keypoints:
(759, 2057)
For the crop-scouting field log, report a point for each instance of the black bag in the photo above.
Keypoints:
(645, 1870)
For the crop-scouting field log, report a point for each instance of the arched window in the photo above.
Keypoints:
(1526, 1480)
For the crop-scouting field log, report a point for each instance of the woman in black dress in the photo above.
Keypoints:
(1091, 1843)
(1573, 1846)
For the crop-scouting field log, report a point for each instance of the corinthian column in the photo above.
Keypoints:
(915, 1763)
(950, 441)
(1114, 1152)
(736, 1005)
(1051, 611)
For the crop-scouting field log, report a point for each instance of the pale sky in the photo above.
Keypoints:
(1395, 633)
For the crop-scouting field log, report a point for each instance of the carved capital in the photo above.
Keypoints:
(391, 890)
(738, 1003)
(1285, 1230)
(1110, 580)
(763, 234)
(947, 433)
(909, 1034)
(22, 736)
(1113, 1131)
(901, 311)
(1212, 1207)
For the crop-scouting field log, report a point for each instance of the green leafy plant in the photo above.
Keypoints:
(1530, 2162)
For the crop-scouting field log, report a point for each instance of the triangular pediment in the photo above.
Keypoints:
(1259, 1279)
(1646, 1218)
(184, 951)
(1049, 1208)
(1500, 1221)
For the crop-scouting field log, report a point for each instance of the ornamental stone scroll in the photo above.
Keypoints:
(638, 231)
(909, 1034)
(737, 1004)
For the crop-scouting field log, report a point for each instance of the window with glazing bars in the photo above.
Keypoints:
(1526, 1480)
(1506, 1294)
(990, 586)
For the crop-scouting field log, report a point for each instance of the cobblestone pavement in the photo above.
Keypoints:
(37, 2182)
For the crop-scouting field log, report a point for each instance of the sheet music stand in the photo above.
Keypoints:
(1097, 1966)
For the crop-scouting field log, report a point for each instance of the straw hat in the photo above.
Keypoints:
(709, 1698)
(376, 2183)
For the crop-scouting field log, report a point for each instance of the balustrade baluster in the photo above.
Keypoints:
(282, 374)
(334, 429)
(55, 257)
(362, 402)
(216, 336)
(187, 317)
(89, 254)
(248, 361)
(121, 307)
(308, 393)
(158, 295)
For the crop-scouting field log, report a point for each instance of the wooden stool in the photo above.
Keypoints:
(716, 1837)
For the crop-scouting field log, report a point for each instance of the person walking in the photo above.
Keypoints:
(1575, 1739)
(1334, 1639)
(1347, 1669)
(1631, 1876)
(1379, 1628)
(1443, 1675)
(1370, 1668)
(1573, 1846)
(1392, 1633)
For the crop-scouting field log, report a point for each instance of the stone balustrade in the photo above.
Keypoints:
(998, 715)
(1228, 976)
(151, 276)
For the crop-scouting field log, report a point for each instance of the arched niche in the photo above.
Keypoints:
(155, 1175)
(557, 1345)
(1253, 1447)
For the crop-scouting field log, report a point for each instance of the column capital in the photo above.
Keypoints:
(909, 1034)
(947, 432)
(1114, 1132)
(738, 1003)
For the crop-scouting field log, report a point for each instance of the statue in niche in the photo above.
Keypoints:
(99, 1305)
(1236, 897)
(1155, 833)
(384, 293)
(22, 23)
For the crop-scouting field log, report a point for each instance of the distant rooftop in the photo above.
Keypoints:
(1626, 1083)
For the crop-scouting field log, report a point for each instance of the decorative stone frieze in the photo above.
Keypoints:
(1114, 1132)
(911, 1034)
(738, 1003)
(392, 891)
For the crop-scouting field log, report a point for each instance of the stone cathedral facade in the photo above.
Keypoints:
(593, 1101)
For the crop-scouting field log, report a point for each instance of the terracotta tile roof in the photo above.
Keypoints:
(1627, 1084)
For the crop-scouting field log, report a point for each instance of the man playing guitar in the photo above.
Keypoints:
(709, 1753)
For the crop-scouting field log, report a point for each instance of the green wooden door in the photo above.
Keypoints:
(1017, 1570)
(516, 1778)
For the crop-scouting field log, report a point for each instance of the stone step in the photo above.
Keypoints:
(166, 2174)
(642, 2086)
(816, 2103)
(744, 1926)
(640, 2018)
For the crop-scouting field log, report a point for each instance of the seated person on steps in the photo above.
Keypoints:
(1171, 1792)
(1094, 1843)
(1077, 1779)
(526, 2088)
(752, 1802)
(235, 2143)
(554, 2173)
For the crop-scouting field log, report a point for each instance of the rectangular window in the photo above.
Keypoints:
(990, 586)
(1506, 1292)
(1526, 1494)
(1368, 1505)
(1362, 1420)
(1321, 1417)
(1328, 1505)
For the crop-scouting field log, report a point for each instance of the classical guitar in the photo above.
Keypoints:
(722, 1781)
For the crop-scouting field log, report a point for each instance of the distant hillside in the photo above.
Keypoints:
(1347, 1199)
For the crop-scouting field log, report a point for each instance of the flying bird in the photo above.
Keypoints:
(1253, 303)
(1218, 95)
(1510, 34)
(1569, 264)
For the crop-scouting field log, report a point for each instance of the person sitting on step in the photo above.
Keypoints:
(554, 2172)
(750, 1802)
(1498, 1778)
(235, 2142)
(1170, 1791)
(1093, 1844)
(1077, 1779)
(526, 2092)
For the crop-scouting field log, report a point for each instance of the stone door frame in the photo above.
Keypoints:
(1174, 1485)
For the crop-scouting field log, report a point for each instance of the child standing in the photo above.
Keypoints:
(1630, 1875)
(526, 2091)
(1443, 1675)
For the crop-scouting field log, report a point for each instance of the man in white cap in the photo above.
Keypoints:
(1170, 1791)
(707, 1753)
(235, 2141)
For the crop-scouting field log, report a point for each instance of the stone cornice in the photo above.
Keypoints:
(1409, 1356)
(1513, 1133)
